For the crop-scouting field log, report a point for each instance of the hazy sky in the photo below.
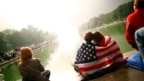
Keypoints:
(52, 14)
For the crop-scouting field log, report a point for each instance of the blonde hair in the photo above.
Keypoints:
(26, 55)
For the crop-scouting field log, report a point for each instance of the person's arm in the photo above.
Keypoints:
(130, 34)
(41, 68)
(76, 68)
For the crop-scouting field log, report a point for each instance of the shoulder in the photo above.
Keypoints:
(87, 45)
(131, 16)
(35, 63)
(35, 60)
(107, 38)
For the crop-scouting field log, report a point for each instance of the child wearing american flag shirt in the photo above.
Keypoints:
(86, 52)
(97, 56)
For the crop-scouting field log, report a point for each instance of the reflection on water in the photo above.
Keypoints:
(60, 64)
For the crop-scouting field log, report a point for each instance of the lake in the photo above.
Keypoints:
(58, 57)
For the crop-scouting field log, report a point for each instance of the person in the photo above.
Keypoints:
(85, 54)
(107, 56)
(30, 68)
(108, 51)
(135, 27)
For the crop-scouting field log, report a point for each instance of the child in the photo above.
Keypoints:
(86, 53)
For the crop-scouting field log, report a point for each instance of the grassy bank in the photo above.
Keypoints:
(117, 31)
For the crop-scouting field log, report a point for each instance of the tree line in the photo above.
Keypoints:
(12, 39)
(119, 14)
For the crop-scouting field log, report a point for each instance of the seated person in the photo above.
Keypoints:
(107, 50)
(86, 53)
(107, 55)
(30, 68)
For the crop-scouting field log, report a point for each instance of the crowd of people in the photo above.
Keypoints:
(98, 55)
(8, 56)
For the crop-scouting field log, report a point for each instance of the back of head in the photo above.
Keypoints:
(88, 37)
(26, 54)
(139, 4)
(98, 37)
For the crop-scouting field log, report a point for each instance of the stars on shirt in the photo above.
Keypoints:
(86, 53)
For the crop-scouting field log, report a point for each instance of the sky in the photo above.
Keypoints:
(62, 17)
(52, 14)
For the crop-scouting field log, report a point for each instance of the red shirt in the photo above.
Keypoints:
(134, 21)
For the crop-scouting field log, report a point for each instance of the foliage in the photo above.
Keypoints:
(116, 28)
(119, 14)
(117, 31)
(4, 43)
(26, 37)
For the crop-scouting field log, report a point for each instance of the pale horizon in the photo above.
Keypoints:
(52, 14)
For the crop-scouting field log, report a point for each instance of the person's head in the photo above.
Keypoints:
(88, 37)
(98, 37)
(26, 55)
(138, 4)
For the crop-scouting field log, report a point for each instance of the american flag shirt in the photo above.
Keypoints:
(86, 53)
(105, 56)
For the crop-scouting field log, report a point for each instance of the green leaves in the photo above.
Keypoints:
(27, 36)
(4, 43)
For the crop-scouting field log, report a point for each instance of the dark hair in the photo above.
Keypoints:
(88, 37)
(139, 3)
(98, 37)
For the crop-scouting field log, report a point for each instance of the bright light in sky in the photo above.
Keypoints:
(58, 16)
(68, 37)
(48, 15)
(44, 14)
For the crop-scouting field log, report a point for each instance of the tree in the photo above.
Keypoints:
(119, 14)
(4, 43)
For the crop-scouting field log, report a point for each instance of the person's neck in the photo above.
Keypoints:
(89, 42)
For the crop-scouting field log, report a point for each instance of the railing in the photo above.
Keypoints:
(9, 61)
